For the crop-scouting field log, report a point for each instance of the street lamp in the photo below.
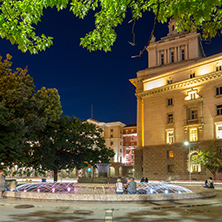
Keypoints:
(189, 162)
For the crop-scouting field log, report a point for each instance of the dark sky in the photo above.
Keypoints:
(84, 78)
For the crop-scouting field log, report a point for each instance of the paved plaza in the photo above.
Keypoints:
(15, 210)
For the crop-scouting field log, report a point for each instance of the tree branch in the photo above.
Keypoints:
(151, 35)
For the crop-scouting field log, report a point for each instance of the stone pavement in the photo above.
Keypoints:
(85, 205)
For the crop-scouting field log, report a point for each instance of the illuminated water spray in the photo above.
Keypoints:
(65, 187)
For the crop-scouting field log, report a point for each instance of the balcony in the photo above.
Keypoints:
(198, 121)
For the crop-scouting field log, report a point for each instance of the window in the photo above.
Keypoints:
(193, 134)
(161, 59)
(120, 159)
(218, 68)
(127, 156)
(132, 144)
(219, 110)
(192, 75)
(218, 91)
(193, 114)
(170, 118)
(132, 138)
(169, 81)
(172, 56)
(170, 168)
(111, 143)
(111, 135)
(219, 131)
(111, 130)
(182, 54)
(170, 102)
(127, 144)
(170, 136)
(170, 154)
(120, 150)
(126, 138)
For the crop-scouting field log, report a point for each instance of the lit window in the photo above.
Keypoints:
(170, 118)
(170, 102)
(218, 91)
(218, 68)
(127, 156)
(170, 154)
(193, 134)
(219, 110)
(169, 136)
(170, 168)
(219, 131)
(192, 75)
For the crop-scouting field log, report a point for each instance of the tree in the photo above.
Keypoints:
(18, 18)
(23, 112)
(209, 156)
(69, 143)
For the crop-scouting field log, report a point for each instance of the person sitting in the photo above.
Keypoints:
(119, 187)
(146, 180)
(142, 180)
(209, 183)
(131, 186)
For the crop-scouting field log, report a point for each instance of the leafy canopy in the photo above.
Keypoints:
(23, 112)
(69, 143)
(209, 156)
(18, 18)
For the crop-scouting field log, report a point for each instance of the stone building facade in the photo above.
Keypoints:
(179, 99)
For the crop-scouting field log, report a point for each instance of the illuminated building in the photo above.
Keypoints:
(179, 98)
(113, 135)
(129, 144)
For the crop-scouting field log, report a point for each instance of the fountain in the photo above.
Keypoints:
(67, 187)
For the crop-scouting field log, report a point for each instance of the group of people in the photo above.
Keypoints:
(209, 183)
(129, 188)
(144, 180)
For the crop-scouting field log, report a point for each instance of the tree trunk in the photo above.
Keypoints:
(55, 175)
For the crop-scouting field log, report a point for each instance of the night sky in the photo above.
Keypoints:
(84, 78)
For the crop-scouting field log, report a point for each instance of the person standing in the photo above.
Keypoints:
(2, 182)
(131, 186)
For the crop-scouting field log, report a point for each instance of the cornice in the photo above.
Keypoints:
(181, 84)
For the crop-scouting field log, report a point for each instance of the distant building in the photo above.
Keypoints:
(179, 98)
(129, 144)
(113, 135)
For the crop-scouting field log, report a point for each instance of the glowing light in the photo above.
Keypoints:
(166, 191)
(68, 189)
(151, 190)
(38, 190)
(53, 190)
(205, 69)
(179, 192)
(154, 84)
(24, 191)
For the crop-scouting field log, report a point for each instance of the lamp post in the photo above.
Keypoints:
(189, 163)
